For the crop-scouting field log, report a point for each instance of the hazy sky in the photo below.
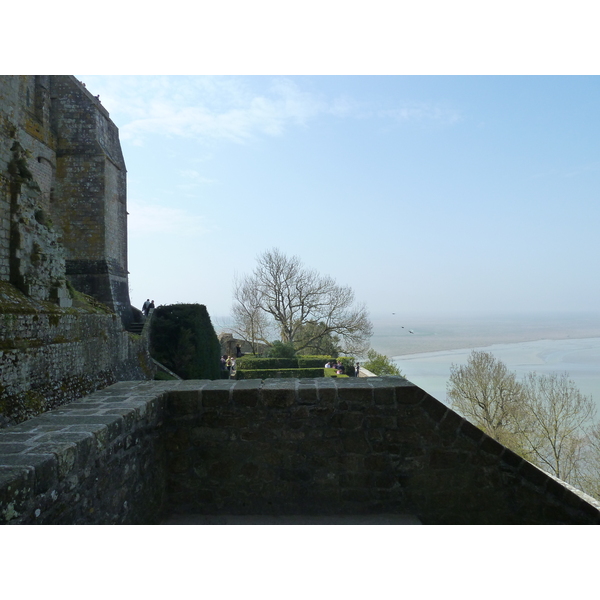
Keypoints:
(423, 193)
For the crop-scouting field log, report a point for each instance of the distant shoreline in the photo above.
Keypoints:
(578, 357)
(462, 334)
(494, 343)
(481, 343)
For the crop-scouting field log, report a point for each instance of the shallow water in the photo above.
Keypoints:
(580, 358)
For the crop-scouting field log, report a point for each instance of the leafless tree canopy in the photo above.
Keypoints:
(282, 295)
(556, 428)
(487, 394)
(544, 418)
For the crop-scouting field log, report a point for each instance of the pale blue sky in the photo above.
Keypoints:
(423, 193)
(428, 194)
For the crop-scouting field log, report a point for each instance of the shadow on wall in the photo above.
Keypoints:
(323, 448)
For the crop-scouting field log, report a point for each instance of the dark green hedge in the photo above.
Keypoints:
(320, 361)
(183, 339)
(308, 362)
(300, 362)
(278, 373)
(250, 362)
(348, 362)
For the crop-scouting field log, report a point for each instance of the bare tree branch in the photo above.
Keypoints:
(283, 292)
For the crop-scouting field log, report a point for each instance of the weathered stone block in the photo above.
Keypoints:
(355, 443)
(327, 391)
(247, 393)
(446, 459)
(434, 408)
(450, 426)
(356, 480)
(214, 395)
(380, 422)
(356, 496)
(511, 459)
(16, 493)
(408, 393)
(307, 393)
(199, 435)
(383, 394)
(491, 446)
(45, 467)
(279, 393)
(184, 403)
(347, 420)
(469, 430)
(385, 480)
(357, 391)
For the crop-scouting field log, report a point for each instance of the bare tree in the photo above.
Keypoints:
(556, 431)
(488, 395)
(589, 474)
(250, 322)
(313, 341)
(291, 297)
(544, 418)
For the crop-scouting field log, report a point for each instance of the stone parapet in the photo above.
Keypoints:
(138, 451)
(50, 356)
(97, 461)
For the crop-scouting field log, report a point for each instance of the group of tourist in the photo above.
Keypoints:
(340, 369)
(227, 365)
(147, 307)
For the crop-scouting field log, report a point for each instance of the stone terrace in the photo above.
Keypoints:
(305, 451)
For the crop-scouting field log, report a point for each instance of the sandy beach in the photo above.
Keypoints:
(524, 343)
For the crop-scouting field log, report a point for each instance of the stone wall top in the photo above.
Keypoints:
(322, 446)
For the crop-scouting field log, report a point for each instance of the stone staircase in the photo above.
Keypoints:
(136, 328)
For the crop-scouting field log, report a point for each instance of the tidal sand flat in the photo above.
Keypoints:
(392, 335)
(541, 343)
(579, 358)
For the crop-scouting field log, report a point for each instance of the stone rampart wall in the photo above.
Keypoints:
(50, 356)
(134, 452)
(99, 461)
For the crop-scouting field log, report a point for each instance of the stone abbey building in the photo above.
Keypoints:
(63, 233)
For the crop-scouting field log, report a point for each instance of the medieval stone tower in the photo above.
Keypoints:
(63, 213)
(64, 296)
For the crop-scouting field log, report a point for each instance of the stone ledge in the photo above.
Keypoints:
(239, 447)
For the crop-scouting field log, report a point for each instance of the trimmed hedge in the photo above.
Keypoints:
(183, 339)
(332, 373)
(313, 362)
(278, 373)
(251, 362)
(246, 363)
